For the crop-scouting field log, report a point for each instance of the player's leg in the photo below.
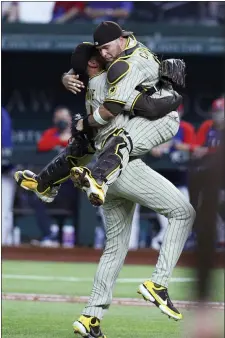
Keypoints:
(158, 239)
(98, 175)
(46, 184)
(135, 229)
(118, 215)
(140, 136)
(146, 134)
(143, 185)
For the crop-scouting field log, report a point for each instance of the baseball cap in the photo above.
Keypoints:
(108, 31)
(80, 57)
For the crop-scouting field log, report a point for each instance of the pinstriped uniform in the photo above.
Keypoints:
(96, 92)
(145, 134)
(143, 70)
(140, 184)
(155, 192)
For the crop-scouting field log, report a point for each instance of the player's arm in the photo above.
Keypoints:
(98, 119)
(125, 79)
(119, 76)
(154, 106)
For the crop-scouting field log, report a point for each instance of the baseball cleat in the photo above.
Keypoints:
(158, 295)
(87, 326)
(83, 179)
(28, 180)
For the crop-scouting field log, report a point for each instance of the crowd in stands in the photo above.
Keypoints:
(182, 12)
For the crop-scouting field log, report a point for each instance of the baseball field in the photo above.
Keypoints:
(42, 299)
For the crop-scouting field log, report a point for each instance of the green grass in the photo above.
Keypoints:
(178, 291)
(47, 320)
(44, 320)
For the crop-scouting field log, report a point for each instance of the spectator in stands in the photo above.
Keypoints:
(117, 11)
(209, 133)
(56, 138)
(67, 11)
(208, 139)
(10, 12)
(8, 183)
(179, 149)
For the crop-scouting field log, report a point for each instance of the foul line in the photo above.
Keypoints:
(116, 301)
(83, 279)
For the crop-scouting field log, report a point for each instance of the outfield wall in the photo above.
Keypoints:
(143, 256)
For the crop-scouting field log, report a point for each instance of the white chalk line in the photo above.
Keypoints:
(116, 301)
(84, 279)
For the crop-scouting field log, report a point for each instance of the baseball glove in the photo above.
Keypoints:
(173, 71)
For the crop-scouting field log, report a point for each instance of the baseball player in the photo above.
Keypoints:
(94, 98)
(165, 199)
(135, 69)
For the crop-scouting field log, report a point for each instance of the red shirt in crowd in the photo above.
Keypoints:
(50, 139)
(62, 7)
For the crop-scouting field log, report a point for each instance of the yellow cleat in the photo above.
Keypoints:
(88, 327)
(28, 180)
(158, 295)
(83, 179)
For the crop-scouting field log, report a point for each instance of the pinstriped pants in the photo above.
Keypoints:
(139, 184)
(145, 135)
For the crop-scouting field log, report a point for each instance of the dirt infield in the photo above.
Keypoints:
(116, 301)
(143, 256)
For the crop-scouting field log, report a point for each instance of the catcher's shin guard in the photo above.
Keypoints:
(57, 171)
(95, 178)
(109, 162)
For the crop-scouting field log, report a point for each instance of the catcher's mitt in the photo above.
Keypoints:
(173, 71)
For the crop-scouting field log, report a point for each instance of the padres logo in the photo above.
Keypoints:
(112, 90)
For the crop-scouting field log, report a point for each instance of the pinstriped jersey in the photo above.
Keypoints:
(96, 92)
(143, 70)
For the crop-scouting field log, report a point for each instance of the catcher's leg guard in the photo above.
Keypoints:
(47, 182)
(58, 170)
(95, 177)
(109, 160)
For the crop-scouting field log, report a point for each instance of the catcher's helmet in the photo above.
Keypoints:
(80, 57)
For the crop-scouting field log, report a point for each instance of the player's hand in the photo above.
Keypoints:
(80, 125)
(72, 83)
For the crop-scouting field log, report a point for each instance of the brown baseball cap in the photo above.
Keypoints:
(108, 31)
